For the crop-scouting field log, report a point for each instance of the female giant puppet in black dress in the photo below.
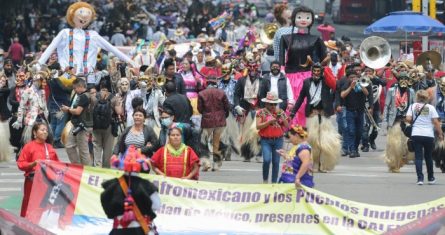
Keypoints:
(298, 51)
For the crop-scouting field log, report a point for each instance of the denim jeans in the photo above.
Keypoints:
(342, 127)
(354, 120)
(423, 148)
(57, 125)
(269, 148)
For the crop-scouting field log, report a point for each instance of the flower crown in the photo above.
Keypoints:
(299, 130)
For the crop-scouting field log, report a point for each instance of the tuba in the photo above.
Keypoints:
(268, 33)
(375, 52)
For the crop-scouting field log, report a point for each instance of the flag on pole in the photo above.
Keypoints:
(219, 21)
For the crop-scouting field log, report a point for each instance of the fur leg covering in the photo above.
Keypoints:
(5, 148)
(229, 138)
(325, 142)
(439, 154)
(250, 146)
(396, 154)
(204, 151)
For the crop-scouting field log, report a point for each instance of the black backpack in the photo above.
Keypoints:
(102, 113)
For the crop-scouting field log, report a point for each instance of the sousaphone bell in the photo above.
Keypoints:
(375, 52)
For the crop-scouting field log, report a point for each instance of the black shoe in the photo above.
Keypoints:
(365, 149)
(353, 155)
(58, 145)
(362, 147)
(373, 146)
(344, 153)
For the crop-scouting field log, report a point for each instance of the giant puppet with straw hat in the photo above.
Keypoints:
(77, 47)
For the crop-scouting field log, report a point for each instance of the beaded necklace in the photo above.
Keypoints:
(85, 51)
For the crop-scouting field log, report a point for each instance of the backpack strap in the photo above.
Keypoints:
(139, 217)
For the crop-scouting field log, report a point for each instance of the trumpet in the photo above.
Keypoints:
(364, 81)
(160, 80)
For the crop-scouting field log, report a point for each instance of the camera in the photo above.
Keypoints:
(78, 129)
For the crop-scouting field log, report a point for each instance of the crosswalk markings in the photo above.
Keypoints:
(10, 189)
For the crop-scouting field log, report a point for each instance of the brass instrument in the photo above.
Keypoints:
(365, 81)
(99, 55)
(371, 119)
(268, 32)
(375, 52)
(429, 60)
(160, 80)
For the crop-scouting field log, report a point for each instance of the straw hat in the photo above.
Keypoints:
(179, 32)
(271, 98)
(331, 45)
(118, 30)
(210, 59)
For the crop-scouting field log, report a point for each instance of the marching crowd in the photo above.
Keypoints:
(233, 90)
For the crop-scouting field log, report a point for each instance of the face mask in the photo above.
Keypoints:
(166, 122)
(275, 72)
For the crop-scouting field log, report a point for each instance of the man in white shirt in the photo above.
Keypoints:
(118, 39)
(334, 65)
(278, 83)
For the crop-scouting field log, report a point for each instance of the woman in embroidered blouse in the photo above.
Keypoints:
(270, 121)
(176, 159)
(297, 167)
(34, 151)
(193, 83)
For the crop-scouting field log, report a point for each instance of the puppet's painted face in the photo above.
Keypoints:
(303, 19)
(82, 17)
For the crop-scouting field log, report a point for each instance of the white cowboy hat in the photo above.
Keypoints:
(272, 98)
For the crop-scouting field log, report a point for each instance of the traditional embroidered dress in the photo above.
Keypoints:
(192, 88)
(291, 167)
(175, 163)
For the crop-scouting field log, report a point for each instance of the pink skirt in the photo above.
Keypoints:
(296, 81)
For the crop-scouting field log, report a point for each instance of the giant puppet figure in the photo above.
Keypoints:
(77, 47)
(298, 50)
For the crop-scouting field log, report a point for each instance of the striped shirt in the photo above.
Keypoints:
(135, 139)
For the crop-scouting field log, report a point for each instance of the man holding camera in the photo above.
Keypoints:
(82, 120)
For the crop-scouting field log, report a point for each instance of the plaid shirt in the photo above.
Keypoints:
(277, 38)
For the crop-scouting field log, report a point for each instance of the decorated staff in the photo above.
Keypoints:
(77, 47)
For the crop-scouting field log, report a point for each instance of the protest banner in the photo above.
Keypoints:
(198, 207)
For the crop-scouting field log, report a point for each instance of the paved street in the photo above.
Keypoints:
(365, 179)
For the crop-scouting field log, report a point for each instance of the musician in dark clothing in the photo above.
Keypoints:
(355, 97)
(368, 139)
